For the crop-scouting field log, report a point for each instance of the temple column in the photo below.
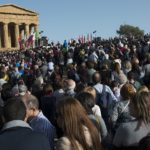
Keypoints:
(9, 37)
(36, 36)
(16, 35)
(27, 30)
(6, 42)
(0, 37)
(35, 28)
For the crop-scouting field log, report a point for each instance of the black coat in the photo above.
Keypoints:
(22, 138)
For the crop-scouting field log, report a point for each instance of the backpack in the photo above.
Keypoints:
(105, 101)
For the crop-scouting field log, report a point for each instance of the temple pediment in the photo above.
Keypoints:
(13, 9)
(15, 23)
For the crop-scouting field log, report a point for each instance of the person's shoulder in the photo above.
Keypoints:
(36, 136)
(130, 125)
(64, 139)
(122, 103)
(63, 144)
(39, 140)
(42, 121)
(108, 89)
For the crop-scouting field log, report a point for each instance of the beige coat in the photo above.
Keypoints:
(64, 143)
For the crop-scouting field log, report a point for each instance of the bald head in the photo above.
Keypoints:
(96, 77)
(70, 84)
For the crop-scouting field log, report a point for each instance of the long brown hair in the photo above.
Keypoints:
(71, 118)
(117, 67)
(141, 103)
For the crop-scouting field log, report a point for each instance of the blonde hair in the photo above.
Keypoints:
(141, 103)
(127, 65)
(90, 90)
(143, 89)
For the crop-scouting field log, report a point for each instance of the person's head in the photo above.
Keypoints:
(115, 86)
(56, 68)
(135, 61)
(104, 67)
(2, 74)
(140, 106)
(83, 65)
(143, 88)
(59, 84)
(22, 89)
(80, 87)
(127, 91)
(96, 77)
(127, 65)
(32, 106)
(91, 90)
(14, 109)
(47, 89)
(131, 77)
(69, 84)
(90, 65)
(87, 101)
(70, 66)
(71, 118)
(38, 73)
(6, 91)
(117, 67)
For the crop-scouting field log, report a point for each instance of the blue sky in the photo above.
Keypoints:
(65, 19)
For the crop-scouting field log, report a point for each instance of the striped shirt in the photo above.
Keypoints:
(41, 124)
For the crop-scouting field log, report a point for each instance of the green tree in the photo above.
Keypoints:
(128, 30)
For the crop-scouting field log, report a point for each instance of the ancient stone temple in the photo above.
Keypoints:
(15, 22)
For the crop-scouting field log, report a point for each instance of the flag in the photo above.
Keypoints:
(88, 38)
(30, 40)
(19, 41)
(25, 40)
(36, 34)
(91, 38)
(84, 40)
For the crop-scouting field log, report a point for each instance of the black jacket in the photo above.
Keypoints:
(22, 138)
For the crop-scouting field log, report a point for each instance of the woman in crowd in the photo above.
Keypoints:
(78, 131)
(120, 112)
(118, 75)
(143, 88)
(95, 109)
(130, 133)
(87, 101)
(127, 66)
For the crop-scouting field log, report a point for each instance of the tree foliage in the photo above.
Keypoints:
(128, 30)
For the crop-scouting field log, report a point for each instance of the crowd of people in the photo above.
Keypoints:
(77, 96)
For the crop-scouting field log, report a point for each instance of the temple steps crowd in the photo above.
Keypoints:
(76, 96)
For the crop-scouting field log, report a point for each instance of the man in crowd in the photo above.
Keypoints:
(16, 133)
(37, 120)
